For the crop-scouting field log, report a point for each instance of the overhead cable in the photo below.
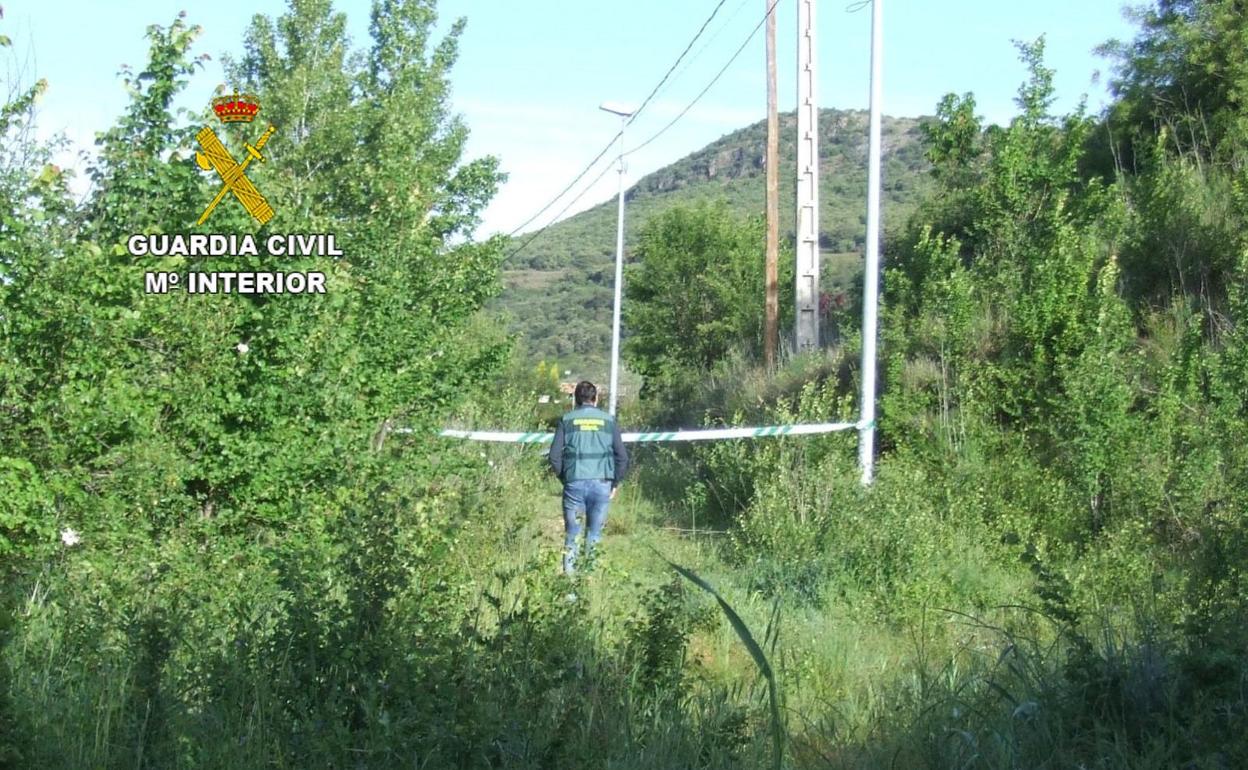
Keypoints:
(605, 149)
(709, 85)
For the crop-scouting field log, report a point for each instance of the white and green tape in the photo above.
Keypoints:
(706, 434)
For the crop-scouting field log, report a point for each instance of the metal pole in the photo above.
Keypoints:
(619, 281)
(870, 286)
(806, 321)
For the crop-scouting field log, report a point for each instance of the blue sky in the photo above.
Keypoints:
(532, 73)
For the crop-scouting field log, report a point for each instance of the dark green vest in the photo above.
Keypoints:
(587, 444)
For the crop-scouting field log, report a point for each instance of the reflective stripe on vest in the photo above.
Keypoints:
(587, 444)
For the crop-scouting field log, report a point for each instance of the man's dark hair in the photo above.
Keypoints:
(585, 392)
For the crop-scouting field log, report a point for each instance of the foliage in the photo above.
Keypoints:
(1183, 80)
(1178, 125)
(756, 654)
(1183, 218)
(1032, 252)
(557, 292)
(136, 187)
(1048, 570)
(1063, 389)
(657, 638)
(695, 293)
(230, 461)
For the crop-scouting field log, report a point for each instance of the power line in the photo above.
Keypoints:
(562, 211)
(709, 85)
(565, 190)
(660, 132)
(710, 40)
(676, 63)
(634, 116)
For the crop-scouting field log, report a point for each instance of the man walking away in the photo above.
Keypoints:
(589, 458)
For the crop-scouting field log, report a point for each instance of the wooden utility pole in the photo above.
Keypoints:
(771, 326)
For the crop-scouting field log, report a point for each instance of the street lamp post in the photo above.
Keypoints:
(871, 276)
(624, 114)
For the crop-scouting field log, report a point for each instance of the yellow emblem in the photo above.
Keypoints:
(231, 109)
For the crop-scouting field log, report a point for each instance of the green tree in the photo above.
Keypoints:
(231, 461)
(1184, 77)
(145, 179)
(34, 211)
(1012, 314)
(1179, 125)
(696, 291)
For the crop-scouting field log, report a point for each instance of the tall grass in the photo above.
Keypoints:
(907, 640)
(756, 653)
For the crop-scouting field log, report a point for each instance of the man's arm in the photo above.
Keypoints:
(621, 456)
(556, 451)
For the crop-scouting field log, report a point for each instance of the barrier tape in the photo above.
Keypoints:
(708, 434)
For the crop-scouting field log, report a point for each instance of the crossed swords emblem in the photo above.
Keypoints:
(233, 174)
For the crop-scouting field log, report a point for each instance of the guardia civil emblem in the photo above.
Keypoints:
(236, 108)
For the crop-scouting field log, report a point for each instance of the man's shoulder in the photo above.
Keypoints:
(587, 413)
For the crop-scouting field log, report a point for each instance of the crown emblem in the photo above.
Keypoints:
(236, 108)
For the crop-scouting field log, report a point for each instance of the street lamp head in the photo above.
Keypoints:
(616, 108)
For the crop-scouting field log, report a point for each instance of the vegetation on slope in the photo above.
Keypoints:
(557, 291)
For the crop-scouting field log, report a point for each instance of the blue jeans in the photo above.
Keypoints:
(591, 496)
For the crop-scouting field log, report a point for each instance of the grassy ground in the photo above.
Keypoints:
(916, 643)
(968, 665)
(835, 664)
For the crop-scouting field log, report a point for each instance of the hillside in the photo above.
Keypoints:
(558, 290)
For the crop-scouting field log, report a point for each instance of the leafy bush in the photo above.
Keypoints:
(248, 515)
(695, 293)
